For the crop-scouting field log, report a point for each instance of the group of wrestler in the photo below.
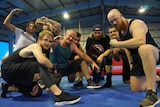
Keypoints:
(41, 58)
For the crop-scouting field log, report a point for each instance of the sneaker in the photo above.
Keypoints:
(93, 85)
(107, 85)
(78, 84)
(150, 100)
(66, 98)
(4, 89)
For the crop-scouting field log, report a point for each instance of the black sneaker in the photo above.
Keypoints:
(107, 85)
(150, 100)
(4, 89)
(78, 84)
(66, 98)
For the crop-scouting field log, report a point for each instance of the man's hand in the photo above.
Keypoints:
(16, 11)
(34, 90)
(114, 43)
(95, 66)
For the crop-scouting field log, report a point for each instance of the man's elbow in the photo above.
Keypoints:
(141, 42)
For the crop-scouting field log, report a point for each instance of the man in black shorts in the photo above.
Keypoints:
(135, 36)
(27, 65)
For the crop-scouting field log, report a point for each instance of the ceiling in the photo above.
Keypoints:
(85, 13)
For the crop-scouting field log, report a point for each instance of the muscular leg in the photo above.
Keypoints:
(137, 84)
(149, 56)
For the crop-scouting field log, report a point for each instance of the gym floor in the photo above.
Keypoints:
(119, 95)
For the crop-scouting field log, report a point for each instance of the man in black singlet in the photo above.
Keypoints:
(135, 36)
(24, 67)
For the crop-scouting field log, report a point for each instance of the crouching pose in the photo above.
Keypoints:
(135, 36)
(62, 53)
(23, 68)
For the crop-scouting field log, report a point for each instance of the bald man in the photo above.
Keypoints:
(135, 36)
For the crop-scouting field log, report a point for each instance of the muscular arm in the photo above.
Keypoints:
(138, 29)
(35, 50)
(7, 20)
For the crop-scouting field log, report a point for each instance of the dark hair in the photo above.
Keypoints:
(78, 34)
(30, 22)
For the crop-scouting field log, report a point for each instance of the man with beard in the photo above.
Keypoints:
(135, 36)
(96, 45)
(24, 67)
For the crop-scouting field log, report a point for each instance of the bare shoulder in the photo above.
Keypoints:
(33, 46)
(138, 24)
(27, 52)
(73, 45)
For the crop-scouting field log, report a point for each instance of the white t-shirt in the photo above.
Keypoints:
(22, 38)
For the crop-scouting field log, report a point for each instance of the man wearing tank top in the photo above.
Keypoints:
(134, 35)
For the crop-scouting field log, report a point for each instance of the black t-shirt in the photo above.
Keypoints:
(95, 47)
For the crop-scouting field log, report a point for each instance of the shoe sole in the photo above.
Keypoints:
(93, 87)
(67, 102)
(157, 102)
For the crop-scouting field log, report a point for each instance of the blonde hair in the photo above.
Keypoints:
(43, 33)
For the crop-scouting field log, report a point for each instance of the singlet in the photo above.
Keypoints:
(96, 47)
(60, 56)
(134, 52)
(15, 58)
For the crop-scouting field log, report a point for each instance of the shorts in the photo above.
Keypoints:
(137, 68)
(108, 60)
(20, 73)
(71, 67)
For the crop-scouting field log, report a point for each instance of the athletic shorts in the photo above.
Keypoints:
(20, 73)
(137, 67)
(108, 60)
(71, 67)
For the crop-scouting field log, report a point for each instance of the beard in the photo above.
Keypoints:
(120, 26)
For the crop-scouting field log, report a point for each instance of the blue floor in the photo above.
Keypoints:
(119, 95)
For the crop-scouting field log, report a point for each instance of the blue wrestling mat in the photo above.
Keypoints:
(119, 95)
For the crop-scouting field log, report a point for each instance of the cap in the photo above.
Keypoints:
(97, 26)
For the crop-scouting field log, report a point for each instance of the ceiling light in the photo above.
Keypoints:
(66, 15)
(142, 9)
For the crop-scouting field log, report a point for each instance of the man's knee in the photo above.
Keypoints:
(137, 87)
(145, 49)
